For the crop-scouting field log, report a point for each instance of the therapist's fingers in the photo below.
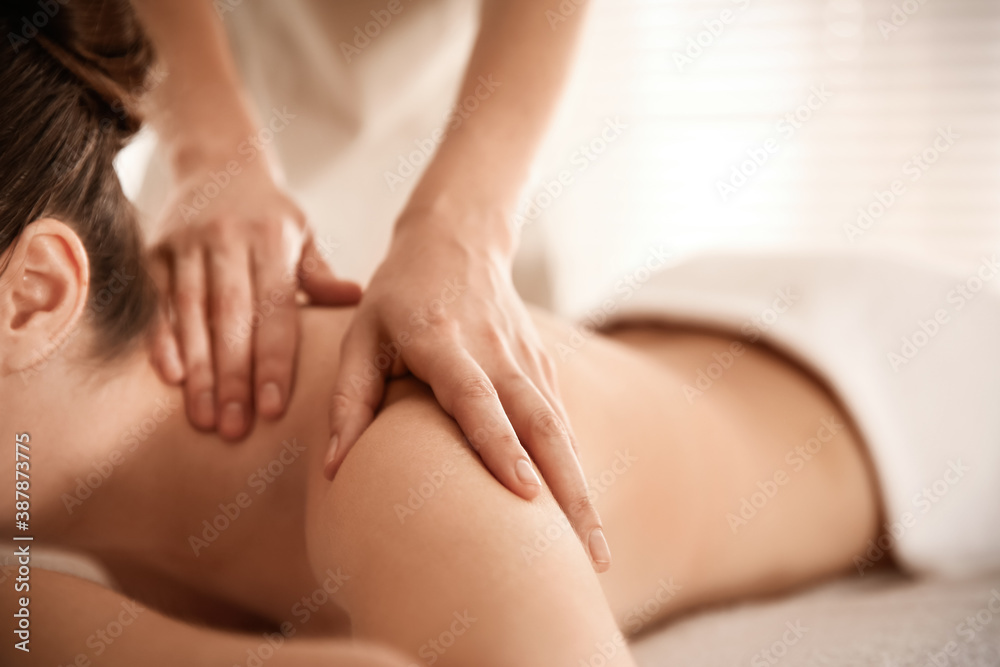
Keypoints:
(545, 378)
(192, 329)
(464, 391)
(164, 350)
(230, 303)
(570, 494)
(357, 392)
(320, 283)
(547, 436)
(276, 333)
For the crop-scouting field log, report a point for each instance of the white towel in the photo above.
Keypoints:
(912, 351)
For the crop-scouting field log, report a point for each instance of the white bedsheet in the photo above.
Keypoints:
(883, 620)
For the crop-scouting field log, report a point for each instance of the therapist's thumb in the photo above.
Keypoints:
(318, 280)
(357, 392)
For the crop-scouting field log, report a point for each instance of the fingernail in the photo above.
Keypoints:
(232, 418)
(599, 551)
(269, 400)
(526, 473)
(204, 408)
(172, 364)
(331, 454)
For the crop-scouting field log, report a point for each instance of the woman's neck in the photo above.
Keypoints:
(84, 423)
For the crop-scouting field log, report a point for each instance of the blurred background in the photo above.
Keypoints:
(889, 92)
(844, 98)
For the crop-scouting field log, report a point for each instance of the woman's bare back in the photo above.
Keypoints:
(702, 492)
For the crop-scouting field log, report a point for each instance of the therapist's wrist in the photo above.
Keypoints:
(204, 149)
(487, 227)
(206, 131)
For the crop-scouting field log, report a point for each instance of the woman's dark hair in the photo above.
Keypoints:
(71, 74)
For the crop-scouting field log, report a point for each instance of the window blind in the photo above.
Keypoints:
(840, 123)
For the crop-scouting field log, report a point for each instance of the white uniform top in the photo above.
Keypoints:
(349, 94)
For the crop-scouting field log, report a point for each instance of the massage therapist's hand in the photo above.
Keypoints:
(444, 308)
(232, 252)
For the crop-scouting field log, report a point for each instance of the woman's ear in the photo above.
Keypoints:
(43, 294)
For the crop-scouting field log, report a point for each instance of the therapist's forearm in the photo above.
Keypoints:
(199, 110)
(519, 65)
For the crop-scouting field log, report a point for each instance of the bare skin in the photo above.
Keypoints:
(665, 473)
(213, 266)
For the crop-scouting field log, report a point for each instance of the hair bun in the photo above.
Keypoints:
(102, 44)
